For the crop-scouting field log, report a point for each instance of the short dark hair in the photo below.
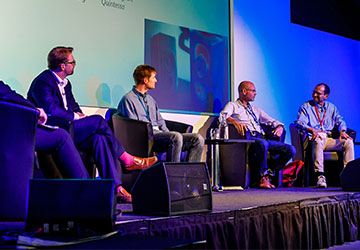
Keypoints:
(327, 88)
(58, 55)
(141, 72)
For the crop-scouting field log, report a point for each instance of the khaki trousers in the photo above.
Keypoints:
(325, 143)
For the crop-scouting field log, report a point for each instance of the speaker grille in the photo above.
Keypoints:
(189, 187)
(173, 188)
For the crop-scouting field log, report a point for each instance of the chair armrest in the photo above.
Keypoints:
(17, 151)
(233, 133)
(17, 130)
(269, 134)
(351, 133)
(336, 134)
(136, 136)
(178, 126)
(108, 117)
(61, 122)
(299, 140)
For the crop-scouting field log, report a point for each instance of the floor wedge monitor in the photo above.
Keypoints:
(349, 177)
(172, 189)
(70, 206)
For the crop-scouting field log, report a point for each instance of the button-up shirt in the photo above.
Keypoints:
(143, 107)
(61, 85)
(307, 117)
(251, 116)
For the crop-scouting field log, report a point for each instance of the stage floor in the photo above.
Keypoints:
(230, 211)
(246, 199)
(227, 201)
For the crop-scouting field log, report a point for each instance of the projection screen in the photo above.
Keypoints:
(187, 41)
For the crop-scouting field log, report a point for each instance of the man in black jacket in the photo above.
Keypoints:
(51, 90)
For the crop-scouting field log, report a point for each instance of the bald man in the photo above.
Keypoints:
(246, 117)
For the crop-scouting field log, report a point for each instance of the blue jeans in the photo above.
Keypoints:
(280, 154)
(173, 143)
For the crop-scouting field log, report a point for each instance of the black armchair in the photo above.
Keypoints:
(333, 160)
(137, 138)
(17, 147)
(178, 126)
(233, 159)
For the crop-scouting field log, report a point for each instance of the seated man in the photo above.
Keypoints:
(138, 104)
(318, 117)
(51, 90)
(246, 117)
(56, 142)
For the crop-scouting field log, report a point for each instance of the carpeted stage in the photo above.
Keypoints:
(282, 218)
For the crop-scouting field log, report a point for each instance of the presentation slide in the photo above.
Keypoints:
(187, 41)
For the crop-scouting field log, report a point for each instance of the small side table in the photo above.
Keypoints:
(215, 161)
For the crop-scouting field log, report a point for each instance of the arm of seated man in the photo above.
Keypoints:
(240, 127)
(344, 135)
(278, 130)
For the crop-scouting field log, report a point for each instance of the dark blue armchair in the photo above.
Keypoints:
(17, 147)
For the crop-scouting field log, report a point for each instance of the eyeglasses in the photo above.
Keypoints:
(73, 62)
(251, 90)
(319, 93)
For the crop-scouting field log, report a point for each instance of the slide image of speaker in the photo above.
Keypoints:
(209, 70)
(349, 177)
(188, 61)
(172, 189)
(163, 58)
(66, 206)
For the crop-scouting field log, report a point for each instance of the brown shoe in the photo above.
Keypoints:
(265, 183)
(123, 195)
(141, 163)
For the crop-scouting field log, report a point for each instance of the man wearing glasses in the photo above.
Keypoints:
(246, 117)
(51, 90)
(318, 118)
(138, 104)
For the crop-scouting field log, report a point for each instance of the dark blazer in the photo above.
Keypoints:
(45, 93)
(7, 94)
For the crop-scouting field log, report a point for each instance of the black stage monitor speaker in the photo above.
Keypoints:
(349, 177)
(67, 206)
(172, 189)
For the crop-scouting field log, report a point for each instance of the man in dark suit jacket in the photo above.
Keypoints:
(51, 90)
(57, 141)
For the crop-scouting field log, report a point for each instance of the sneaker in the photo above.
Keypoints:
(321, 183)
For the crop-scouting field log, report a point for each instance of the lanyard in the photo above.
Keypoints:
(251, 112)
(321, 121)
(142, 103)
